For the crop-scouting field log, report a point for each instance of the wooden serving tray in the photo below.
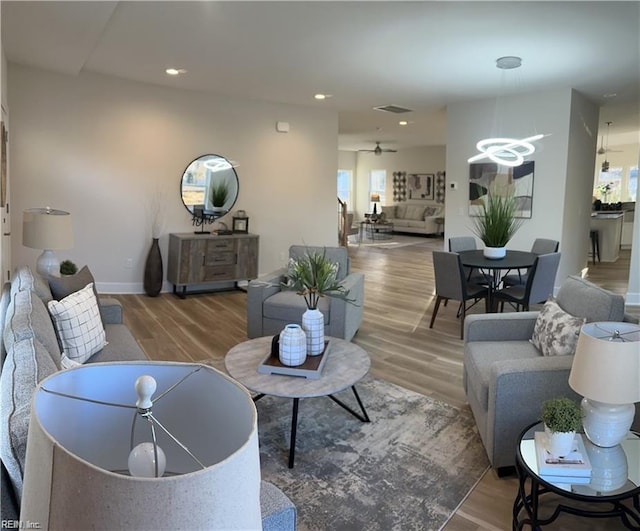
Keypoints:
(311, 368)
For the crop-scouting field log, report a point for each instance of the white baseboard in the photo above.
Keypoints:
(127, 288)
(632, 299)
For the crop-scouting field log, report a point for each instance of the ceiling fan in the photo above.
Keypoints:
(378, 150)
(602, 150)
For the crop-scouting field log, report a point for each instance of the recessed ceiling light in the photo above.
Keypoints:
(175, 71)
(322, 96)
(403, 122)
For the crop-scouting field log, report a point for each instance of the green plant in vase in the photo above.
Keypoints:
(562, 417)
(312, 275)
(497, 223)
(219, 193)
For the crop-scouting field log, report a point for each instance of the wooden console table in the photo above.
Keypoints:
(196, 259)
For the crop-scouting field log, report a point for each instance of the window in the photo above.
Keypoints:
(617, 185)
(345, 192)
(377, 185)
(632, 184)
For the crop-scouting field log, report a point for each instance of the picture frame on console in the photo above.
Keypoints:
(421, 186)
(241, 224)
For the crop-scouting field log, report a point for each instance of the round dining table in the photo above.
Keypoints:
(492, 268)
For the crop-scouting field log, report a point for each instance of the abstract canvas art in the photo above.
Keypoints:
(421, 185)
(501, 180)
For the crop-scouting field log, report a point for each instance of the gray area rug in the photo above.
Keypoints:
(408, 469)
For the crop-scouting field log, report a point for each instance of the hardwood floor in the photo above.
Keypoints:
(395, 331)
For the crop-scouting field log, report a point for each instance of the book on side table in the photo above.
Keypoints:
(573, 468)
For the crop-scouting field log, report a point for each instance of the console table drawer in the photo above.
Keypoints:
(223, 272)
(214, 245)
(218, 258)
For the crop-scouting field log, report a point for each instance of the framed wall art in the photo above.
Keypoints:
(421, 185)
(501, 180)
(399, 185)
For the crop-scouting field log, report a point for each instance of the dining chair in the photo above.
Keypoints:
(458, 244)
(540, 246)
(539, 286)
(451, 283)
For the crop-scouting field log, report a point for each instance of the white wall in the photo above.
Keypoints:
(414, 160)
(99, 147)
(558, 182)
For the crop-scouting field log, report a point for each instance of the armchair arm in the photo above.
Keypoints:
(258, 290)
(517, 389)
(346, 317)
(110, 310)
(499, 326)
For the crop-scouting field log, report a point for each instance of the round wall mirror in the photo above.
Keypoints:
(209, 186)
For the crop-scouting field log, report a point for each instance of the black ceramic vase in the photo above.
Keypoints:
(153, 270)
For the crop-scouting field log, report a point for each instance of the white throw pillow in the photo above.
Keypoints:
(78, 324)
(556, 331)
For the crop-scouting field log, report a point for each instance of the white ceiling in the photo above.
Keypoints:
(420, 55)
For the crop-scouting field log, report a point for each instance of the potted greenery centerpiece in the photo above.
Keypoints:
(562, 417)
(67, 268)
(497, 223)
(219, 194)
(312, 275)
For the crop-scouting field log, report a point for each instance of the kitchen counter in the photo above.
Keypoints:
(609, 226)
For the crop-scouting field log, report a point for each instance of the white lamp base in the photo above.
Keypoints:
(606, 424)
(48, 264)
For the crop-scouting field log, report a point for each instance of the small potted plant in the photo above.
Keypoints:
(67, 268)
(562, 417)
(219, 194)
(312, 276)
(497, 223)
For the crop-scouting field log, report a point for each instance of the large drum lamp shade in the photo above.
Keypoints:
(82, 431)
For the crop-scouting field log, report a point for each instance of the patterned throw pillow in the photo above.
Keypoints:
(556, 331)
(77, 321)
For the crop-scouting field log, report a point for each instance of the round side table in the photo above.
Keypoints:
(602, 503)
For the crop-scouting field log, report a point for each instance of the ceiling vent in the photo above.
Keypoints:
(396, 109)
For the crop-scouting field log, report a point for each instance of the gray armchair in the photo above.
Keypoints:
(269, 308)
(506, 378)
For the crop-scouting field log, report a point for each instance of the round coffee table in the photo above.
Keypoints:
(346, 365)
(601, 502)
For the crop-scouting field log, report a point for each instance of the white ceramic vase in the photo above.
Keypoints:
(313, 326)
(293, 345)
(559, 443)
(495, 253)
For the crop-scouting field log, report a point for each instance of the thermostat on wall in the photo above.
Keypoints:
(282, 127)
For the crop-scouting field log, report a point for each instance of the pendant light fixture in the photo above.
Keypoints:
(605, 164)
(503, 150)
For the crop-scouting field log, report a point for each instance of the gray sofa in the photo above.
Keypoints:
(270, 308)
(505, 376)
(30, 352)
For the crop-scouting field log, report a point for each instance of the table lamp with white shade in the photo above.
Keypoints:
(606, 372)
(49, 230)
(100, 436)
